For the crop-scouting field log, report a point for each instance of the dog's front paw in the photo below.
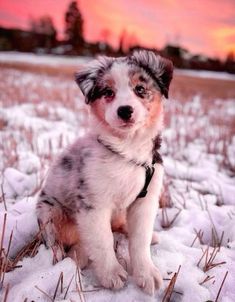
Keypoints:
(113, 277)
(147, 277)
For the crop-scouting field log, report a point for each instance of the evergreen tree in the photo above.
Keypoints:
(230, 57)
(74, 25)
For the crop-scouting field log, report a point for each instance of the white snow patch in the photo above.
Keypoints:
(45, 59)
(17, 183)
(206, 74)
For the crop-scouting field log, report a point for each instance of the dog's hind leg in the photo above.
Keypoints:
(47, 211)
(59, 230)
(155, 238)
(78, 254)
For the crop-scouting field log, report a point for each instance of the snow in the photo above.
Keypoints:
(206, 74)
(58, 60)
(200, 191)
(36, 59)
(21, 220)
(17, 183)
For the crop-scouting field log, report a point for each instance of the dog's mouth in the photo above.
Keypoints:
(129, 125)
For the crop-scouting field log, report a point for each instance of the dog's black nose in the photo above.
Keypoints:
(125, 112)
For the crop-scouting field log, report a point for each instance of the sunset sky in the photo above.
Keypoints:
(202, 26)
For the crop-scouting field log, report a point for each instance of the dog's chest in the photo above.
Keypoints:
(116, 182)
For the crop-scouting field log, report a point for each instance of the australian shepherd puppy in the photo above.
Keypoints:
(111, 178)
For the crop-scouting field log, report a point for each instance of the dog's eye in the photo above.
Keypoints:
(140, 90)
(108, 93)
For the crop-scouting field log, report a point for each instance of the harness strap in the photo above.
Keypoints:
(148, 176)
(149, 171)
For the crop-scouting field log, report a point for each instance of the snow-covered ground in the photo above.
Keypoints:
(206, 74)
(40, 115)
(55, 61)
(35, 59)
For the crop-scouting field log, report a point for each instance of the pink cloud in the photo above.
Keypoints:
(192, 23)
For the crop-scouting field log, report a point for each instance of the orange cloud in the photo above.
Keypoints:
(224, 39)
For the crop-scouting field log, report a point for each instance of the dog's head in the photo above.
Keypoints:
(126, 93)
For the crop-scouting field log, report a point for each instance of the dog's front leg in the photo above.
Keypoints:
(97, 239)
(141, 216)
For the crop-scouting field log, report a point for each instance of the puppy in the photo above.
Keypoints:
(111, 178)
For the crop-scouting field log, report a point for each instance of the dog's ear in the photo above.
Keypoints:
(159, 68)
(88, 78)
(84, 81)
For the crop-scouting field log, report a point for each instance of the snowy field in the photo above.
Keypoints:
(42, 112)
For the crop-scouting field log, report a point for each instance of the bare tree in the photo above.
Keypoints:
(46, 31)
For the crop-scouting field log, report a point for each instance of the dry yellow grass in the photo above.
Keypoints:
(182, 86)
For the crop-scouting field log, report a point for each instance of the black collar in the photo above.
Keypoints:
(149, 170)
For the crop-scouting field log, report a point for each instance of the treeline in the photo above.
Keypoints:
(42, 37)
